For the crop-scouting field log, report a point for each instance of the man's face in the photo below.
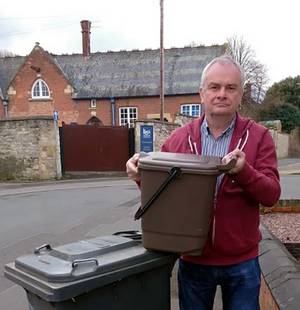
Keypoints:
(222, 91)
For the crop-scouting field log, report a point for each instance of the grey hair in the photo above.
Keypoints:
(224, 59)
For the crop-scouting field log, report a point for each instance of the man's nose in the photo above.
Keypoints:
(222, 93)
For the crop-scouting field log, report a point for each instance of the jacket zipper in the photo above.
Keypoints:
(214, 220)
(215, 211)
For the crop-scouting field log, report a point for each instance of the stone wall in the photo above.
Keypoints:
(183, 119)
(281, 141)
(161, 130)
(287, 145)
(294, 143)
(29, 149)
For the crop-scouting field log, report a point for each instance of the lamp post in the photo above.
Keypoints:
(162, 103)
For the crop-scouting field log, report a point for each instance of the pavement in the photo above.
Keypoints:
(289, 166)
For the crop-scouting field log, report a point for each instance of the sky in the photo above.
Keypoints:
(270, 28)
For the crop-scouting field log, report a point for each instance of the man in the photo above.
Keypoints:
(230, 255)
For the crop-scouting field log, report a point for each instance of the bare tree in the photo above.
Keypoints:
(6, 53)
(194, 44)
(259, 82)
(255, 72)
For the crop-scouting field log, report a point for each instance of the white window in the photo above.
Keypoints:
(40, 89)
(191, 109)
(127, 116)
(93, 103)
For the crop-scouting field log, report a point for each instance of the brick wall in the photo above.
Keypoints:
(82, 112)
(40, 65)
(149, 108)
(280, 271)
(266, 299)
(29, 149)
(20, 102)
(283, 205)
(2, 113)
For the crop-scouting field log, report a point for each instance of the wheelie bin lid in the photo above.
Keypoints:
(66, 271)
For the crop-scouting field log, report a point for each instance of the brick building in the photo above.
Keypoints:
(112, 88)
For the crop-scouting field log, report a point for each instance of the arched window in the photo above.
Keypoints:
(94, 120)
(40, 89)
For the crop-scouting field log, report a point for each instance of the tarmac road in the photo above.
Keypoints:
(55, 214)
(61, 212)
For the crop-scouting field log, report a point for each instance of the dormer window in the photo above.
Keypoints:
(93, 103)
(40, 90)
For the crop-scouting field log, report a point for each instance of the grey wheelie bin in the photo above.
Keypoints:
(110, 272)
(177, 194)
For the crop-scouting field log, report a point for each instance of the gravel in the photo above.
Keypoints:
(285, 226)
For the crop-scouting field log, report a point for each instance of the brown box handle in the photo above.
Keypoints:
(174, 173)
(226, 167)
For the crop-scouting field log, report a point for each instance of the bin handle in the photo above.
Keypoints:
(226, 167)
(132, 234)
(38, 249)
(78, 261)
(174, 173)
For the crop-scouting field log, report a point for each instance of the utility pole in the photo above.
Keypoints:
(162, 99)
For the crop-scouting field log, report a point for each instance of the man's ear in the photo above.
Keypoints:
(201, 94)
(242, 93)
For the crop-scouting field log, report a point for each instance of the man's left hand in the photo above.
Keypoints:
(241, 159)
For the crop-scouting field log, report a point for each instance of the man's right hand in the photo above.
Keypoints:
(132, 168)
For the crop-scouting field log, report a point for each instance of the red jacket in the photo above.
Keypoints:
(236, 214)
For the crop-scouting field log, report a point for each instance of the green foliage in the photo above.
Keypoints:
(287, 113)
(270, 126)
(287, 90)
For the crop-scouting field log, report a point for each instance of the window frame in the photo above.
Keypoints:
(191, 105)
(41, 82)
(130, 121)
(93, 104)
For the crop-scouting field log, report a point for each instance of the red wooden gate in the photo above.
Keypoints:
(94, 147)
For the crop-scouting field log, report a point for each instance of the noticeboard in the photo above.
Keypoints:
(146, 138)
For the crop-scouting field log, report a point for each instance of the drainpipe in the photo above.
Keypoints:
(112, 102)
(5, 104)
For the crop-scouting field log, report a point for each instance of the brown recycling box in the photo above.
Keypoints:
(177, 193)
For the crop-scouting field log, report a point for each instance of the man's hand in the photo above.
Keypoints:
(132, 168)
(241, 159)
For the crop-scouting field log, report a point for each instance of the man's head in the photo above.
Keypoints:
(225, 59)
(221, 87)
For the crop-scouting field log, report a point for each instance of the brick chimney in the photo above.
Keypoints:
(86, 31)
